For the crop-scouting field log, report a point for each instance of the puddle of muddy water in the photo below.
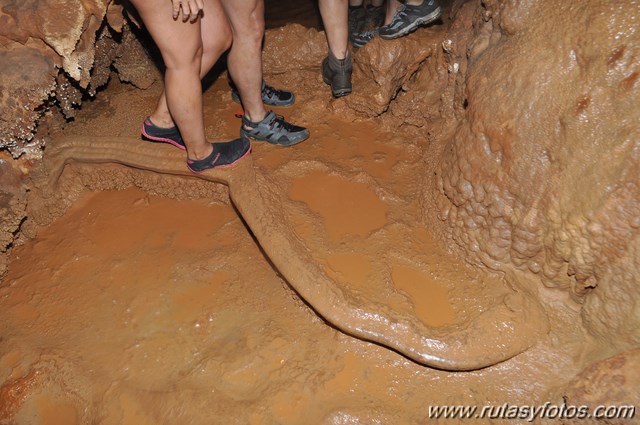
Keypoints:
(430, 300)
(346, 208)
(146, 310)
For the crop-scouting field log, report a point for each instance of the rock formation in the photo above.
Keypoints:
(53, 54)
(527, 112)
(541, 172)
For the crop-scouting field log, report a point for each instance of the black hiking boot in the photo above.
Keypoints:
(373, 19)
(357, 17)
(337, 73)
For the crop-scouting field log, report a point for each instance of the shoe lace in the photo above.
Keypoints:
(270, 92)
(368, 35)
(401, 13)
(279, 122)
(276, 124)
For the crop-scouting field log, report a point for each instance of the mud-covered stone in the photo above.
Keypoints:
(382, 67)
(610, 389)
(134, 64)
(13, 200)
(54, 53)
(541, 173)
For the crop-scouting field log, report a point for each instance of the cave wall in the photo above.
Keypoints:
(541, 173)
(54, 54)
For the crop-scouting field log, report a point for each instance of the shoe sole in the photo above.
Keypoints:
(222, 166)
(339, 92)
(412, 27)
(249, 136)
(162, 140)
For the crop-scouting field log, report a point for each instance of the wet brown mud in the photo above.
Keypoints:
(143, 307)
(328, 283)
(382, 314)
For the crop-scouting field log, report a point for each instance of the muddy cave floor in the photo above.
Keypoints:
(139, 309)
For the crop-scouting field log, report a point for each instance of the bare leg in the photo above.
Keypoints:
(335, 19)
(392, 8)
(356, 3)
(245, 58)
(181, 46)
(216, 39)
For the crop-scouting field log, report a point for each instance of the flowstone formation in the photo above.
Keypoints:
(53, 55)
(522, 144)
(541, 173)
(496, 332)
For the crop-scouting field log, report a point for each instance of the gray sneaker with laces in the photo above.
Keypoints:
(408, 18)
(273, 129)
(368, 27)
(270, 96)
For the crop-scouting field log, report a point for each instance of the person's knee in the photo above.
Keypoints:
(252, 31)
(219, 42)
(184, 59)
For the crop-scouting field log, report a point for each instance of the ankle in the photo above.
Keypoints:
(162, 120)
(342, 55)
(337, 64)
(200, 152)
(254, 118)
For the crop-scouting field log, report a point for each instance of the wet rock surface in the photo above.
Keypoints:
(605, 385)
(490, 143)
(541, 171)
(53, 55)
(13, 202)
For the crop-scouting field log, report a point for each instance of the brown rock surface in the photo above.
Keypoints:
(610, 388)
(52, 54)
(13, 202)
(27, 78)
(541, 173)
(511, 142)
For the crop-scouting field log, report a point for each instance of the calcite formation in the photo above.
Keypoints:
(55, 53)
(541, 173)
(527, 113)
(606, 384)
(13, 201)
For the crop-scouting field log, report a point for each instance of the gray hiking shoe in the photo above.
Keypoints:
(337, 73)
(363, 38)
(273, 129)
(408, 18)
(357, 17)
(270, 96)
(368, 29)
